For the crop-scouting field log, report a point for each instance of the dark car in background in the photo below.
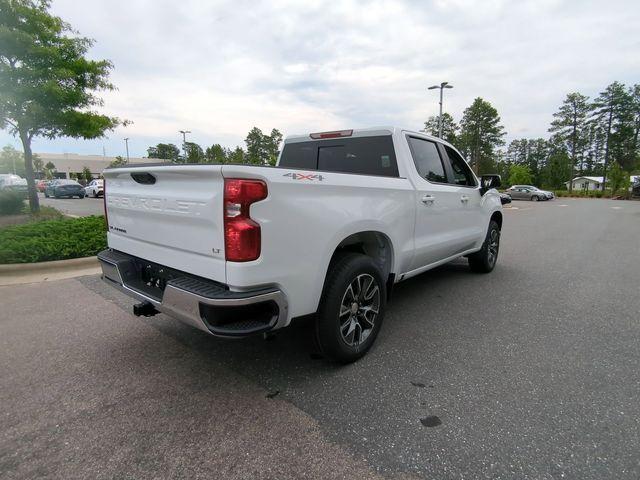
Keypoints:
(64, 188)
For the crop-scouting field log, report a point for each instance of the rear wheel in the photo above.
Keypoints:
(351, 309)
(484, 260)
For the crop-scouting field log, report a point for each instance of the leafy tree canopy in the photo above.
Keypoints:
(449, 127)
(47, 85)
(520, 175)
(481, 132)
(164, 151)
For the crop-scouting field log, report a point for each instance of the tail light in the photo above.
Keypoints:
(104, 202)
(242, 237)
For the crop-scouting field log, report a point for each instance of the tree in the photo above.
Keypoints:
(119, 161)
(480, 134)
(520, 175)
(47, 85)
(164, 151)
(216, 153)
(614, 113)
(449, 127)
(557, 168)
(530, 152)
(618, 179)
(194, 153)
(86, 174)
(570, 125)
(38, 164)
(263, 149)
(634, 92)
(11, 161)
(255, 146)
(237, 155)
(273, 142)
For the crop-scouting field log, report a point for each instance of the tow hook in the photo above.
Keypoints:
(144, 309)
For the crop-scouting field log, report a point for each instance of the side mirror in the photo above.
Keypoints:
(487, 182)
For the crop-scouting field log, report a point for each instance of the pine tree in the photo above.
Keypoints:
(570, 124)
(480, 134)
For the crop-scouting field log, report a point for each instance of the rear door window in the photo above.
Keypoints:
(427, 160)
(361, 155)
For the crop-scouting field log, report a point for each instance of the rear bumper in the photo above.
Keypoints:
(207, 305)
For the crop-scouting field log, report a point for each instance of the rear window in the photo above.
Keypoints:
(363, 155)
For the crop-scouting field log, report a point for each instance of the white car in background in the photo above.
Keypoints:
(95, 189)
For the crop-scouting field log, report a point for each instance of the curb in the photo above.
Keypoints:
(21, 273)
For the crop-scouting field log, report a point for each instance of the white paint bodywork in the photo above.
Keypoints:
(178, 222)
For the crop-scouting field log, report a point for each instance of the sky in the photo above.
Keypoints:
(218, 68)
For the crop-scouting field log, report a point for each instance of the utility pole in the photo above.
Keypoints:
(126, 142)
(184, 143)
(442, 86)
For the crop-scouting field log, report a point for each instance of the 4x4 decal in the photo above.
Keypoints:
(303, 176)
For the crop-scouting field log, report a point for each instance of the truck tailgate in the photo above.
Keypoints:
(170, 215)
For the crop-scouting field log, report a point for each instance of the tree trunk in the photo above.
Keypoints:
(34, 203)
(606, 148)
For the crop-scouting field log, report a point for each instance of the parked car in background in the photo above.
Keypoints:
(41, 185)
(505, 198)
(9, 181)
(95, 188)
(64, 188)
(529, 192)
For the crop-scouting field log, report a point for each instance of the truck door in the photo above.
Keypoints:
(441, 216)
(473, 218)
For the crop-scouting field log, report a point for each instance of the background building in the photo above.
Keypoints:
(68, 163)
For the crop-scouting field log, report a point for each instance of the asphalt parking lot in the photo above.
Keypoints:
(75, 206)
(532, 372)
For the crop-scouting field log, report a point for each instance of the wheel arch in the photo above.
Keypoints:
(374, 244)
(497, 217)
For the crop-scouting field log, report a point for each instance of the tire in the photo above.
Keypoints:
(95, 194)
(356, 280)
(46, 195)
(534, 198)
(484, 260)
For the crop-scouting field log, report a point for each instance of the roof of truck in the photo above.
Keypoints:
(359, 132)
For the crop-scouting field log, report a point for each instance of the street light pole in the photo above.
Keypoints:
(442, 86)
(126, 142)
(184, 143)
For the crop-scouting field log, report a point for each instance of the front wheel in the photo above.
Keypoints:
(484, 260)
(351, 309)
(534, 198)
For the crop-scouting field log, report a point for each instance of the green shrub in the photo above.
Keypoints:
(52, 240)
(11, 202)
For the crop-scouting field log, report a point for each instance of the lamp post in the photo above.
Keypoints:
(126, 143)
(184, 143)
(442, 86)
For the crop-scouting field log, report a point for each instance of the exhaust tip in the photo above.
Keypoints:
(144, 309)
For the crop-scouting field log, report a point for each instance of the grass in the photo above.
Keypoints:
(57, 239)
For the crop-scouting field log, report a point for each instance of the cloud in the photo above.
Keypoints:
(219, 68)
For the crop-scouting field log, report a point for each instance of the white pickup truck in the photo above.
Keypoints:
(236, 250)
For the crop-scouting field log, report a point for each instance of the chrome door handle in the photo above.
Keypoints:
(464, 198)
(428, 199)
